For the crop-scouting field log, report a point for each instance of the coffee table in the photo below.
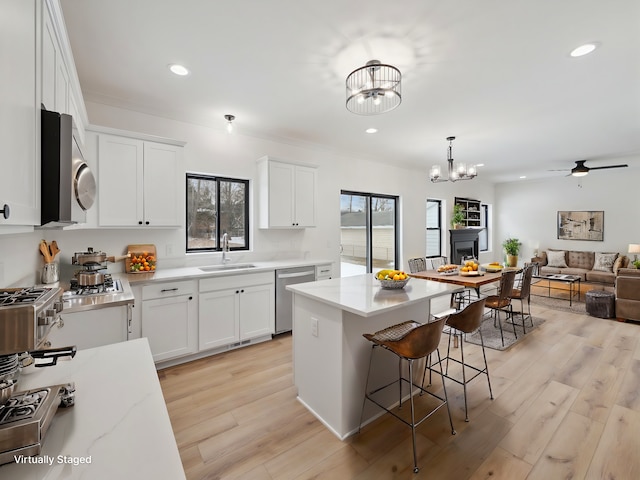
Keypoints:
(571, 280)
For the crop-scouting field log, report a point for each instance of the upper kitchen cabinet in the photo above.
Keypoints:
(287, 194)
(140, 182)
(19, 116)
(59, 85)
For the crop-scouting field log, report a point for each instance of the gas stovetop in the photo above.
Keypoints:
(26, 416)
(24, 296)
(109, 286)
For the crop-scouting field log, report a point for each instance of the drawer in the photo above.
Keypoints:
(235, 281)
(323, 272)
(168, 289)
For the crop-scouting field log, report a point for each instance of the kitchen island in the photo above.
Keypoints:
(119, 426)
(330, 355)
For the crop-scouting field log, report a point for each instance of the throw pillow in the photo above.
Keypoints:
(556, 259)
(604, 262)
(617, 265)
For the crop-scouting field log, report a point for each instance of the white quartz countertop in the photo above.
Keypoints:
(167, 274)
(363, 295)
(119, 421)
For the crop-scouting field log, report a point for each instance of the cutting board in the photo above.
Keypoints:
(136, 251)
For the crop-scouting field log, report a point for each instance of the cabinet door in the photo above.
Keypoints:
(305, 197)
(281, 180)
(49, 58)
(62, 87)
(170, 325)
(257, 311)
(163, 185)
(93, 328)
(20, 115)
(218, 318)
(120, 181)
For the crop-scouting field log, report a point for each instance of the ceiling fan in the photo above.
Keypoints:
(580, 170)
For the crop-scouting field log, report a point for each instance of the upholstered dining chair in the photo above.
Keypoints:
(417, 264)
(522, 292)
(502, 301)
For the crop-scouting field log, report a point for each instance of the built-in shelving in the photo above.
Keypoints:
(471, 210)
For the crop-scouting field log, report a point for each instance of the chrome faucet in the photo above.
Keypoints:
(225, 248)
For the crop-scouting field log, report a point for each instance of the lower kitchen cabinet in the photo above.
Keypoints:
(235, 309)
(92, 328)
(169, 319)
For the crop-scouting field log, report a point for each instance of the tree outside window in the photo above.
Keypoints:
(215, 206)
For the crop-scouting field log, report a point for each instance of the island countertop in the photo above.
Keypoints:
(363, 295)
(119, 421)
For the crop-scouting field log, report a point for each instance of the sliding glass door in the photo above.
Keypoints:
(368, 232)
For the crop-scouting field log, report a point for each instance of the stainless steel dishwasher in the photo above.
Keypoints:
(284, 307)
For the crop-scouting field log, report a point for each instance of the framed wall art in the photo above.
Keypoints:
(581, 225)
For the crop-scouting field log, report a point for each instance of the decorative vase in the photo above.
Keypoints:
(512, 260)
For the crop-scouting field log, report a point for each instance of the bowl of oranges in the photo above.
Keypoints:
(469, 269)
(392, 279)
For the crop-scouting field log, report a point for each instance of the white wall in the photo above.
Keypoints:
(528, 210)
(216, 152)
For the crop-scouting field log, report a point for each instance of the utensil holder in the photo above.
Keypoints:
(50, 273)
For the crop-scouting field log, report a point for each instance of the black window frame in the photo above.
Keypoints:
(369, 225)
(217, 179)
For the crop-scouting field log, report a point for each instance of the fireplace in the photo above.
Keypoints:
(463, 243)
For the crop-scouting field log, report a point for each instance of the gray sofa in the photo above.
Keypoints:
(592, 267)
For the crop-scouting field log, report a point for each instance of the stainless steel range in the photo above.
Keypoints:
(26, 416)
(26, 317)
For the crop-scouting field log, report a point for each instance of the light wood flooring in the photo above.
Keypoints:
(566, 406)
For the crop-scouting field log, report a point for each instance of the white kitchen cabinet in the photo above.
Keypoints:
(20, 116)
(235, 309)
(58, 83)
(140, 183)
(287, 194)
(92, 328)
(323, 272)
(169, 318)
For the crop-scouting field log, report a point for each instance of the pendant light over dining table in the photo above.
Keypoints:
(460, 172)
(373, 89)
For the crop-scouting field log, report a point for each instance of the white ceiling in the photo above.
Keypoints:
(495, 73)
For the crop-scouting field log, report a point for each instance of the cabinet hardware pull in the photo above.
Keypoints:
(6, 211)
(190, 298)
(140, 222)
(242, 291)
(169, 290)
(147, 222)
(237, 291)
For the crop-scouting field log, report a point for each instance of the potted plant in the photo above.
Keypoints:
(512, 248)
(458, 218)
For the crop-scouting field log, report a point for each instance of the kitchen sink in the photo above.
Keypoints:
(222, 268)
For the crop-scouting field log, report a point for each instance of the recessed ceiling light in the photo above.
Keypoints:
(583, 50)
(523, 176)
(179, 69)
(479, 164)
(371, 130)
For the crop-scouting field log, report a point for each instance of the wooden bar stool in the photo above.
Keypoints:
(410, 341)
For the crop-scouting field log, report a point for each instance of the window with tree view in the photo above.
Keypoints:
(215, 206)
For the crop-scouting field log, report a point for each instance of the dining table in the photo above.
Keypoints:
(474, 281)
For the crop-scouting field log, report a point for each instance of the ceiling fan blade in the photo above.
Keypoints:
(609, 166)
(560, 170)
